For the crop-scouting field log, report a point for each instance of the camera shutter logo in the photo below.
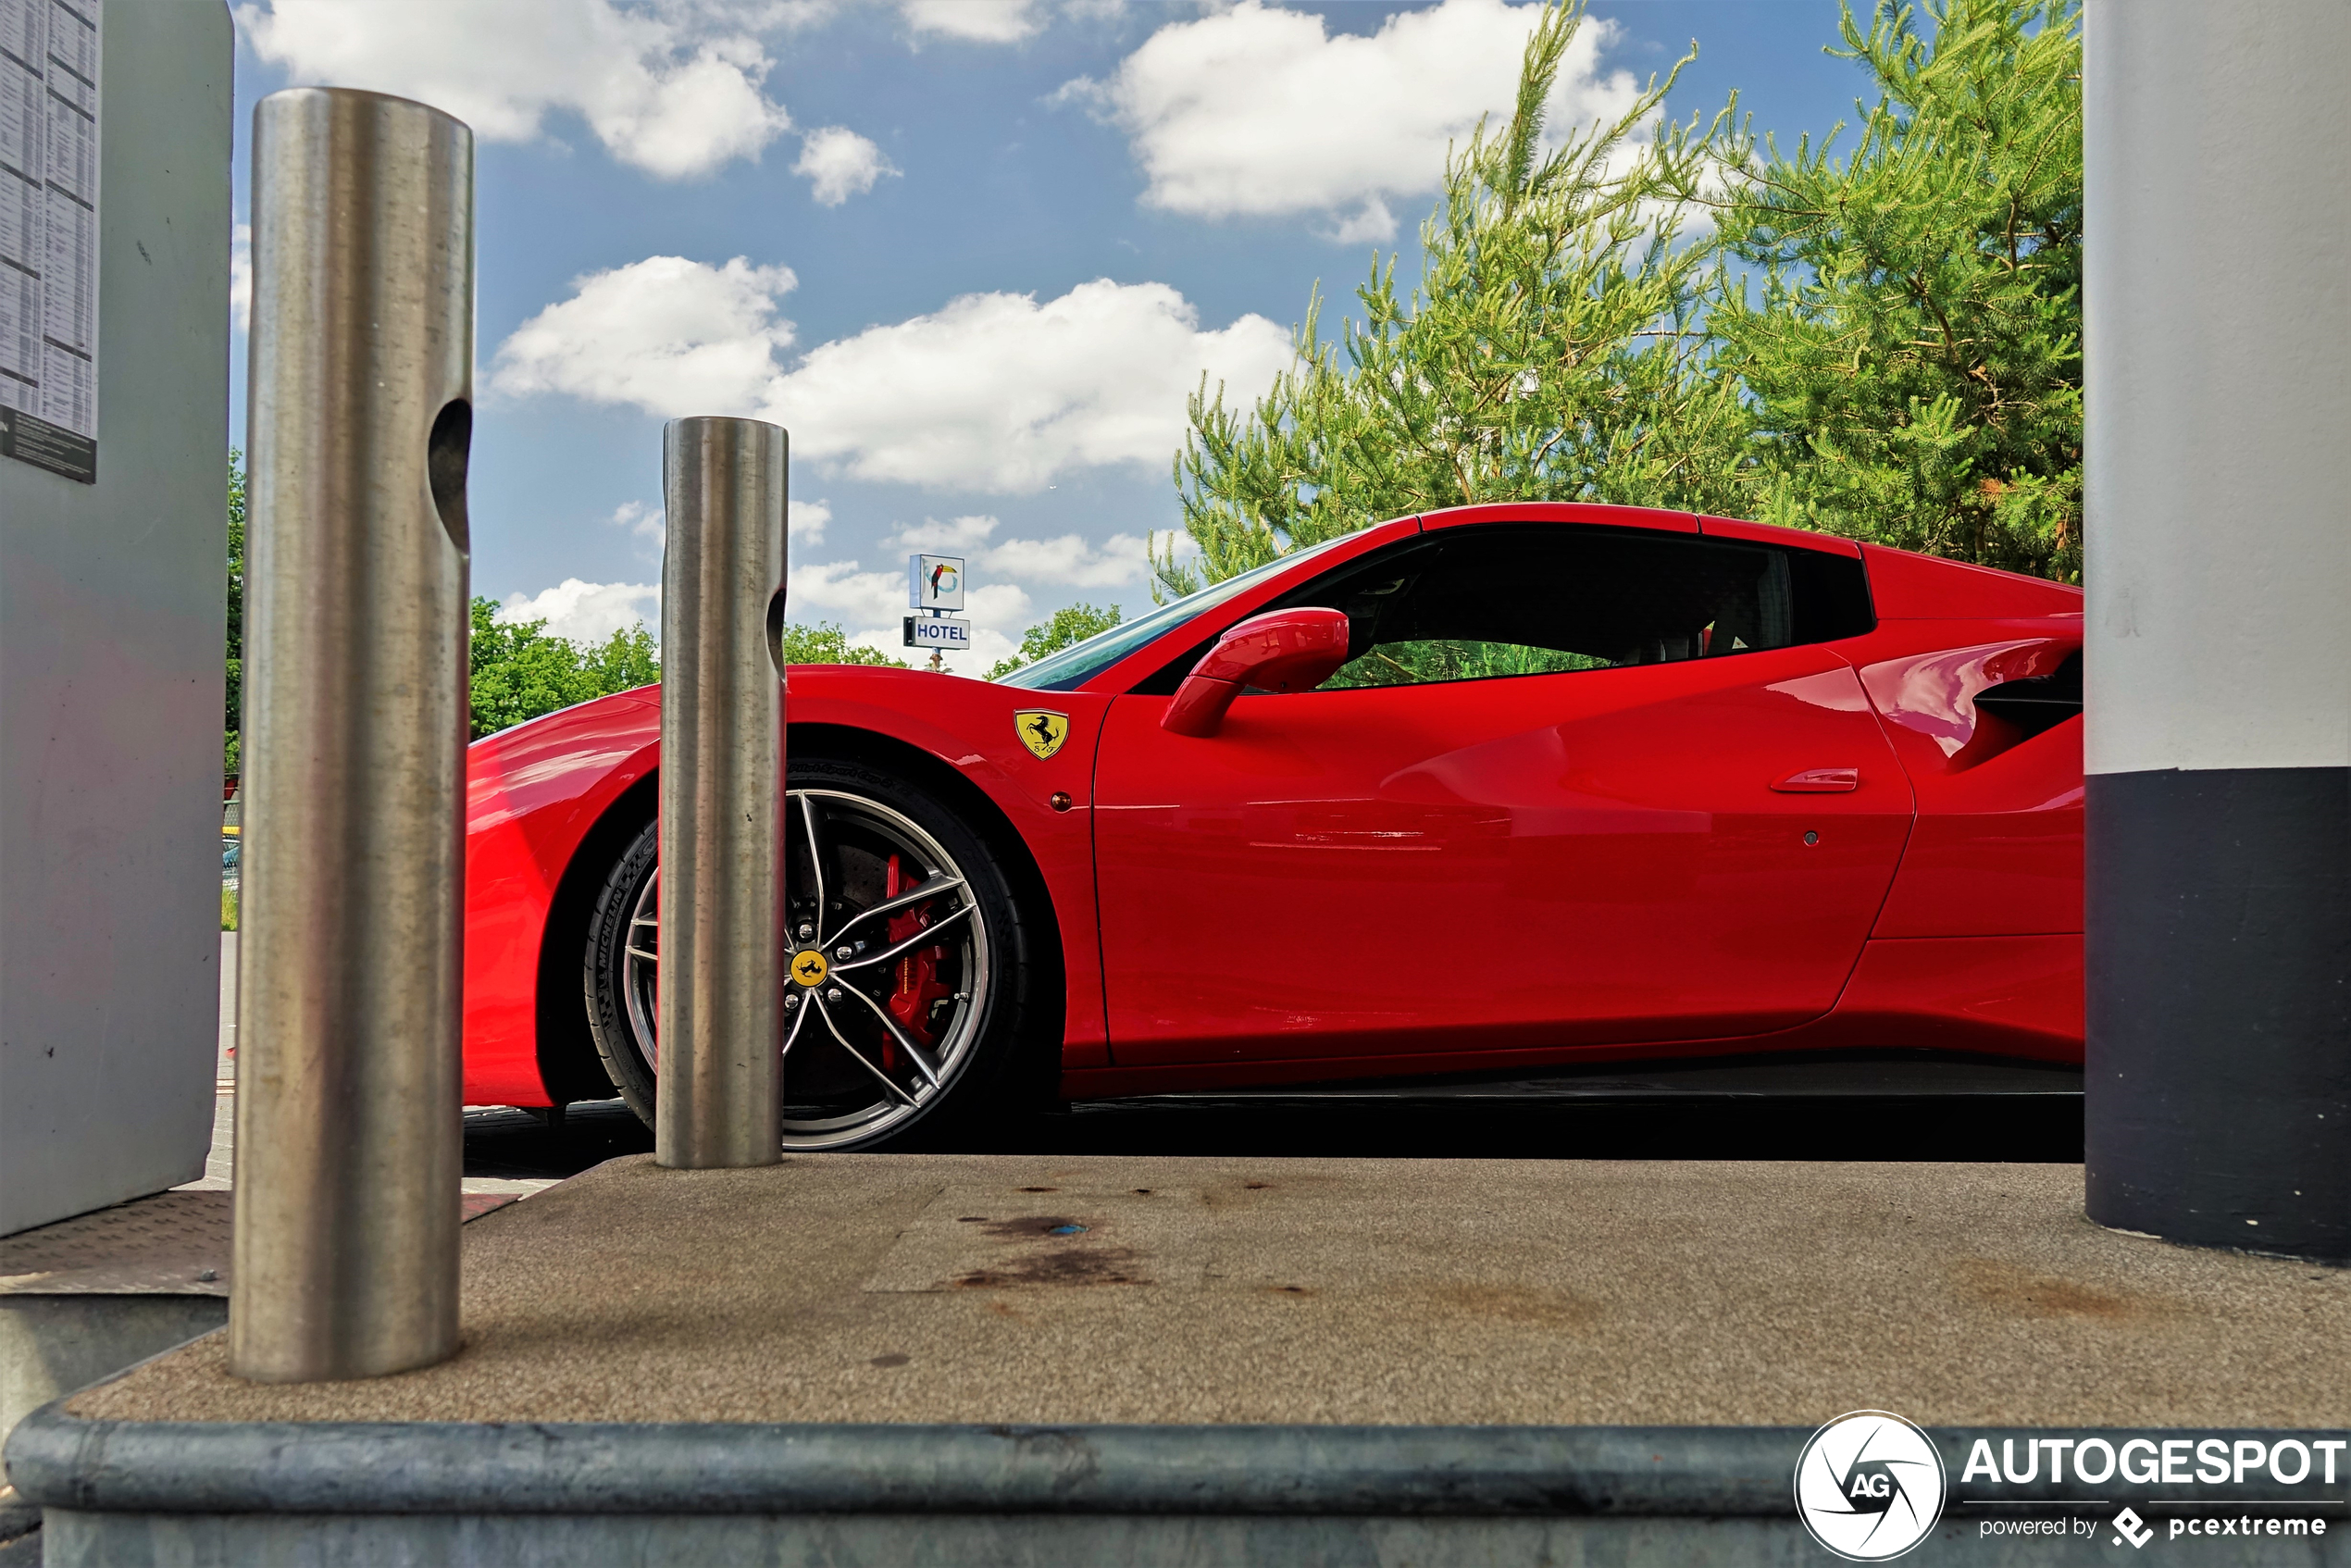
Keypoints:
(1869, 1486)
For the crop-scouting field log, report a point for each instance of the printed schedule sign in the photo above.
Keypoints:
(49, 235)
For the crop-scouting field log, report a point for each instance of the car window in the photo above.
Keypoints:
(1080, 662)
(1547, 599)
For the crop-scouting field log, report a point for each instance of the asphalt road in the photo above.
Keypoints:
(520, 1146)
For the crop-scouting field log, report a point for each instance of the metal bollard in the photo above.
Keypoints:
(348, 1118)
(722, 796)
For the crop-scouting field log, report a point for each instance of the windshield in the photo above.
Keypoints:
(1080, 662)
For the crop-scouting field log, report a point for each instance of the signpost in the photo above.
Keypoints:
(935, 592)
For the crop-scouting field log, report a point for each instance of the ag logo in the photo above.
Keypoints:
(1869, 1486)
(1041, 731)
(809, 968)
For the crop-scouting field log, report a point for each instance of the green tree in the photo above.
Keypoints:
(1554, 349)
(233, 717)
(1914, 361)
(826, 644)
(1068, 626)
(516, 671)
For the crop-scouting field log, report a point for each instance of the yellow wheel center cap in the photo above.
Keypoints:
(808, 967)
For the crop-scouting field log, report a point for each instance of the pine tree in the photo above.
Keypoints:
(1553, 350)
(1915, 359)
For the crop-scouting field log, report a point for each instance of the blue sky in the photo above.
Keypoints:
(985, 246)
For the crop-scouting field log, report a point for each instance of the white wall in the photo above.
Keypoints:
(2219, 343)
(111, 613)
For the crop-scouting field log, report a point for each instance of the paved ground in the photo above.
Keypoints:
(1147, 1288)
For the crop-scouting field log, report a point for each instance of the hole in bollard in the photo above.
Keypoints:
(445, 454)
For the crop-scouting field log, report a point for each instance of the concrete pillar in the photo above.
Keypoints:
(2219, 621)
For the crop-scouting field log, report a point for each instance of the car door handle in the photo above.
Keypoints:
(1820, 781)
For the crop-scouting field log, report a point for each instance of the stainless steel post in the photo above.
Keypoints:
(722, 795)
(348, 1120)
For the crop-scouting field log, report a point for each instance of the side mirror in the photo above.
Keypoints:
(1280, 650)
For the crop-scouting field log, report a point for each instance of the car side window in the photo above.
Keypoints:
(1547, 599)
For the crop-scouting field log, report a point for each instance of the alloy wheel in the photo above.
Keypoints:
(886, 969)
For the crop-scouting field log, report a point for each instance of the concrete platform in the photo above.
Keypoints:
(1020, 1311)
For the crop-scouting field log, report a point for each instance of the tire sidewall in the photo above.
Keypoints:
(991, 1082)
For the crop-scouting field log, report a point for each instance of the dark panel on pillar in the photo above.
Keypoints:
(2218, 1110)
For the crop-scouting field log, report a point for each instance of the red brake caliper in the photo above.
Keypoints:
(917, 980)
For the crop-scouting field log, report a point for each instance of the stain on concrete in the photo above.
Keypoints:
(1517, 1304)
(2011, 1288)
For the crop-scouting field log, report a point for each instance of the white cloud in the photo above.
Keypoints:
(840, 163)
(1067, 561)
(1260, 111)
(805, 521)
(992, 391)
(641, 520)
(672, 336)
(241, 278)
(999, 393)
(588, 612)
(973, 21)
(674, 90)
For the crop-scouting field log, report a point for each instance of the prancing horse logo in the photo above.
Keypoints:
(1041, 731)
(809, 968)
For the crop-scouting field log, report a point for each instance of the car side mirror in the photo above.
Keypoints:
(1280, 650)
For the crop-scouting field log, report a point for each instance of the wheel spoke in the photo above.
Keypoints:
(886, 1081)
(920, 938)
(793, 1033)
(815, 856)
(929, 890)
(906, 1041)
(648, 957)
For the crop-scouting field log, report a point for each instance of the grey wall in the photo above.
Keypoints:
(111, 612)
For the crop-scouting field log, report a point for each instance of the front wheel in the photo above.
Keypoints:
(905, 965)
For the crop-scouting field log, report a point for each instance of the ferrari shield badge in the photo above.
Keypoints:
(1041, 731)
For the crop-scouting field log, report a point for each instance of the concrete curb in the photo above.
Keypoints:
(335, 1467)
(57, 1460)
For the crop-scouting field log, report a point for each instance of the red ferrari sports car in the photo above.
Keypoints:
(1515, 788)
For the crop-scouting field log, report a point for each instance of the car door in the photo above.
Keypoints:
(1574, 786)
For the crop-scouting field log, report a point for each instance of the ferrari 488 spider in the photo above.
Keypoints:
(1512, 788)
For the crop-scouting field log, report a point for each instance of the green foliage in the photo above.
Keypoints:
(1424, 661)
(1069, 626)
(228, 909)
(1554, 350)
(232, 713)
(1911, 373)
(1915, 362)
(517, 672)
(826, 644)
